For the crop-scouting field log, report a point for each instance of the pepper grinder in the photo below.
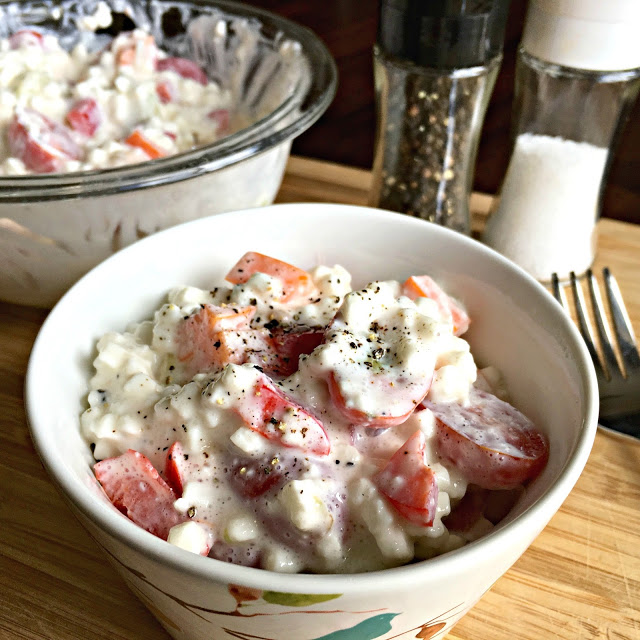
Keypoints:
(577, 76)
(435, 65)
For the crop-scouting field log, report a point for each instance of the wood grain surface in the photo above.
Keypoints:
(579, 580)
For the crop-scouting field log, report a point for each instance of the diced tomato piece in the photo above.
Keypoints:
(136, 51)
(175, 467)
(216, 336)
(402, 410)
(183, 67)
(138, 139)
(408, 482)
(196, 332)
(276, 352)
(230, 317)
(166, 91)
(42, 144)
(296, 283)
(137, 490)
(490, 442)
(25, 38)
(272, 414)
(84, 116)
(290, 345)
(426, 287)
(126, 56)
(252, 478)
(222, 118)
(253, 346)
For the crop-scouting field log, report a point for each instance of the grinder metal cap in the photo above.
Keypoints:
(443, 34)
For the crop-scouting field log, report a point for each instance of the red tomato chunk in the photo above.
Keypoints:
(296, 283)
(25, 38)
(183, 67)
(135, 488)
(290, 345)
(269, 412)
(85, 116)
(166, 91)
(409, 484)
(252, 478)
(490, 442)
(426, 287)
(222, 118)
(42, 144)
(215, 336)
(408, 397)
(175, 467)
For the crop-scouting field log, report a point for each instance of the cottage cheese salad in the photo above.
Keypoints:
(73, 111)
(285, 421)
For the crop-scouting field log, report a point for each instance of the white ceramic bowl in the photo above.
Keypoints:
(517, 326)
(55, 227)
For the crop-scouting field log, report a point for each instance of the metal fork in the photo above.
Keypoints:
(618, 381)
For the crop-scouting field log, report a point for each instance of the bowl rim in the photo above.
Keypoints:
(114, 525)
(311, 101)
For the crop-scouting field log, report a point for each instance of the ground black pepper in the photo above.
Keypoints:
(429, 123)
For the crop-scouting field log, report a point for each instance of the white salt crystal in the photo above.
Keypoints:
(546, 217)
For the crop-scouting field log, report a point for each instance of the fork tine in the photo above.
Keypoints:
(621, 323)
(602, 326)
(585, 325)
(558, 291)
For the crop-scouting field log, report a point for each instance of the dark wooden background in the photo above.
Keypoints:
(345, 133)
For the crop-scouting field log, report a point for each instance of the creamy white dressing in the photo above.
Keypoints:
(325, 513)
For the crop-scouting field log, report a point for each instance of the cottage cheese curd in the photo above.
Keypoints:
(285, 421)
(66, 111)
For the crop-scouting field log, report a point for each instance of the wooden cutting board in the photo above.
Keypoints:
(579, 580)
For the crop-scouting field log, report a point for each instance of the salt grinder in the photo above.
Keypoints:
(577, 76)
(435, 65)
